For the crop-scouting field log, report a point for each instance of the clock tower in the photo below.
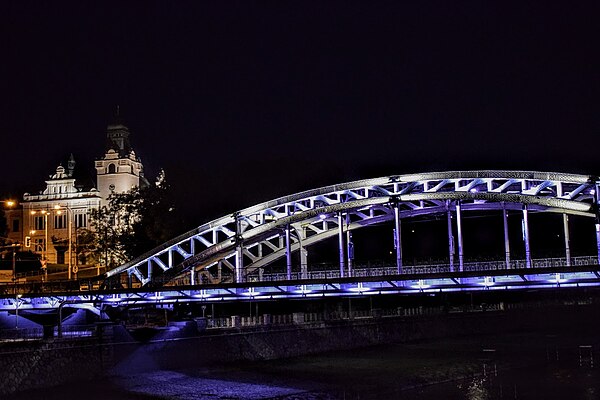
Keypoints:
(120, 169)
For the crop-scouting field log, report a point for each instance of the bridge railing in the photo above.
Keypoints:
(313, 273)
(300, 318)
(382, 269)
(68, 331)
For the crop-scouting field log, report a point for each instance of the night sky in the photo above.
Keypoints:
(242, 102)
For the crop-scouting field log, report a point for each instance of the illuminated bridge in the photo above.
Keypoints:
(228, 259)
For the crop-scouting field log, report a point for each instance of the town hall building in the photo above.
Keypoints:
(47, 220)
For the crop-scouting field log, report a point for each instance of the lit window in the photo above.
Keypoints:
(39, 223)
(80, 220)
(60, 221)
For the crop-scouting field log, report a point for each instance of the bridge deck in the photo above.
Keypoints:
(55, 296)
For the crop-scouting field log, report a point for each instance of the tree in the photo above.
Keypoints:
(133, 222)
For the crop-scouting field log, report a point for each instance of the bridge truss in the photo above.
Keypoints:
(236, 248)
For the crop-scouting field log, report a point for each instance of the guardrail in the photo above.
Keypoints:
(360, 271)
(68, 331)
(236, 321)
(381, 270)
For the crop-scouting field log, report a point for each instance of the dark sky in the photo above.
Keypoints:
(242, 102)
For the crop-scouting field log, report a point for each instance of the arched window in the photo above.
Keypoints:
(112, 169)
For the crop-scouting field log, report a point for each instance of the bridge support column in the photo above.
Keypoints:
(506, 240)
(193, 276)
(597, 225)
(460, 239)
(349, 245)
(450, 237)
(567, 239)
(239, 264)
(598, 239)
(398, 239)
(288, 252)
(304, 262)
(526, 237)
(341, 244)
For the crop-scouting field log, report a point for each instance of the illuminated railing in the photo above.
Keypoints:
(373, 271)
(68, 331)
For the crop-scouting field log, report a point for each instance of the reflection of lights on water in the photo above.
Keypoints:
(477, 390)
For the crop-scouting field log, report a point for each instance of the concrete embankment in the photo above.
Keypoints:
(36, 364)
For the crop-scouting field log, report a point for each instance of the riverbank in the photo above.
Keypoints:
(534, 364)
(378, 357)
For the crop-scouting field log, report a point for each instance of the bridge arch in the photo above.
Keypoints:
(252, 238)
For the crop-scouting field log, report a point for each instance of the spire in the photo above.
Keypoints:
(117, 135)
(71, 165)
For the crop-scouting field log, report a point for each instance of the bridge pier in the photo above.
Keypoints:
(506, 240)
(567, 239)
(526, 237)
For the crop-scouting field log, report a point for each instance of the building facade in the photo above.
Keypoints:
(52, 221)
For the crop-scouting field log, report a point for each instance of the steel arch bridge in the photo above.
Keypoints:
(248, 240)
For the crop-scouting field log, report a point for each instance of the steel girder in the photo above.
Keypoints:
(255, 235)
(498, 280)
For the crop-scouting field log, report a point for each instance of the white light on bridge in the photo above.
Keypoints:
(202, 294)
(558, 279)
(251, 292)
(421, 285)
(360, 288)
(303, 290)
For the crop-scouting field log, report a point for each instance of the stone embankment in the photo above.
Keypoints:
(201, 343)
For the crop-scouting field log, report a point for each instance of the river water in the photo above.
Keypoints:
(563, 365)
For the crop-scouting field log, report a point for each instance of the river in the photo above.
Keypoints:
(559, 365)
